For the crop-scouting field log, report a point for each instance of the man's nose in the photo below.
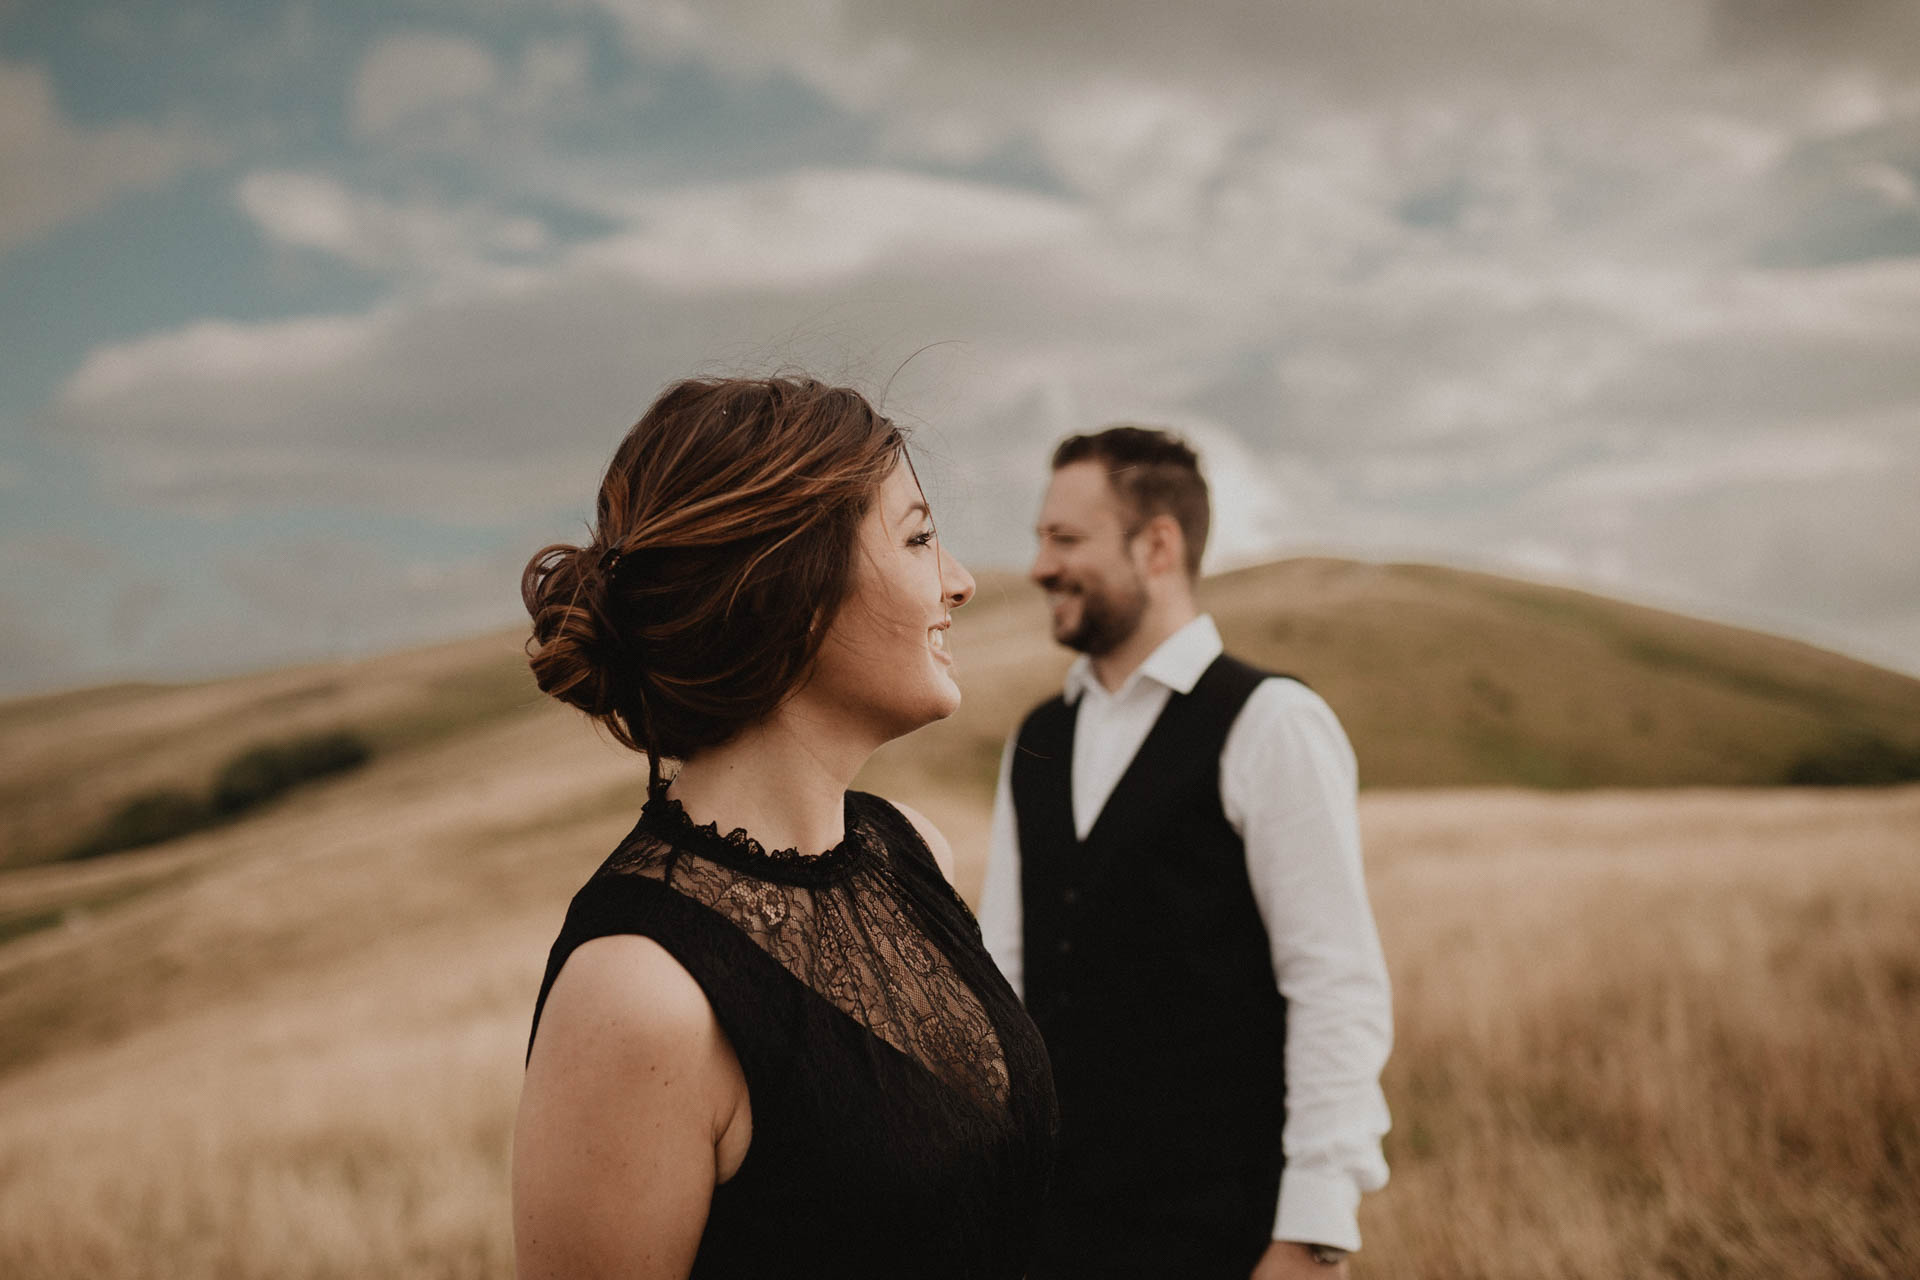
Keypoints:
(1043, 568)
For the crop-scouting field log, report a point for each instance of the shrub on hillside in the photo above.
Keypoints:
(260, 773)
(148, 818)
(247, 781)
(1857, 762)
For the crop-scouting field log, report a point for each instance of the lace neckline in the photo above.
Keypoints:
(668, 818)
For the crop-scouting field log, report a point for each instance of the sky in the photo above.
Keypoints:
(316, 320)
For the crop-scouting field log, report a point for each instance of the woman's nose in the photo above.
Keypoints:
(956, 584)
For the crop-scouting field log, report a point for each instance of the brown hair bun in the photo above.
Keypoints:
(722, 549)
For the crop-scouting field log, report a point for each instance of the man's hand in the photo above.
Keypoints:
(1285, 1260)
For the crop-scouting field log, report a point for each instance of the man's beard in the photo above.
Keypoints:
(1107, 619)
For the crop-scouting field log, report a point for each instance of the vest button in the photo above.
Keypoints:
(1064, 946)
(1069, 896)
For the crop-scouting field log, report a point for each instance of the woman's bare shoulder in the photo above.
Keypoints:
(936, 842)
(630, 985)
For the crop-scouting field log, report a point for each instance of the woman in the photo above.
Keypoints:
(781, 1051)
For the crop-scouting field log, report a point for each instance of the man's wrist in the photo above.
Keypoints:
(1317, 1206)
(1327, 1255)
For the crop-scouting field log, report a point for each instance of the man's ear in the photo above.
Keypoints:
(1163, 545)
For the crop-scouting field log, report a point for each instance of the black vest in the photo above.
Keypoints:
(1148, 972)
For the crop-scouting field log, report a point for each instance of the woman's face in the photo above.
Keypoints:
(885, 657)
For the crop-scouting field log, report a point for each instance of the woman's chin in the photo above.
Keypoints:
(951, 697)
(942, 702)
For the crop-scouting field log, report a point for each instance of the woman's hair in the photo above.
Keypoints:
(722, 549)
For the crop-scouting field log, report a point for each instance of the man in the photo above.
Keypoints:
(1174, 887)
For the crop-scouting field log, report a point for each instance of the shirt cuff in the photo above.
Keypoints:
(1318, 1208)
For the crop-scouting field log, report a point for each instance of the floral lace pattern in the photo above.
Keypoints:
(842, 923)
(740, 851)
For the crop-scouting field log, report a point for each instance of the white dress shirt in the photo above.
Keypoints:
(1287, 784)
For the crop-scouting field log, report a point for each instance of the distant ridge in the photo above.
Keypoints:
(1447, 677)
(1443, 677)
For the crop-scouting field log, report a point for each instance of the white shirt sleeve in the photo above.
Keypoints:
(1288, 785)
(999, 915)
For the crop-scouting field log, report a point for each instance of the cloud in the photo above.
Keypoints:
(419, 237)
(1562, 285)
(1690, 466)
(1439, 400)
(436, 92)
(497, 395)
(960, 83)
(222, 353)
(53, 170)
(46, 556)
(78, 609)
(1755, 350)
(406, 75)
(339, 595)
(864, 52)
(1818, 545)
(1880, 33)
(815, 227)
(1642, 129)
(1845, 198)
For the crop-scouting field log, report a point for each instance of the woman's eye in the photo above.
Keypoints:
(921, 539)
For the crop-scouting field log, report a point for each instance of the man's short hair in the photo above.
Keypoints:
(1155, 473)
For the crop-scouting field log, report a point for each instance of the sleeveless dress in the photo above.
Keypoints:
(903, 1110)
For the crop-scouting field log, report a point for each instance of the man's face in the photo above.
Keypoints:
(1085, 562)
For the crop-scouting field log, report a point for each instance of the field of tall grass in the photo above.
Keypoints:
(1639, 1034)
(1651, 1035)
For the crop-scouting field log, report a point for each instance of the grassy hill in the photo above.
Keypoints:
(1442, 678)
(68, 758)
(1643, 1032)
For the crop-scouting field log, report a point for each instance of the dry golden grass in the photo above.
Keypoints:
(1640, 1034)
(1494, 682)
(357, 1128)
(66, 758)
(1651, 1035)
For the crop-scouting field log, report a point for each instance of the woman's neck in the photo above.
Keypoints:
(786, 788)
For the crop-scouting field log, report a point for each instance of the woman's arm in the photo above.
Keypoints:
(634, 1108)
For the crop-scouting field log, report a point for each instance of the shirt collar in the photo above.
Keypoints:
(1178, 663)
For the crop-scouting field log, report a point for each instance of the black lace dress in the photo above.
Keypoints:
(903, 1112)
